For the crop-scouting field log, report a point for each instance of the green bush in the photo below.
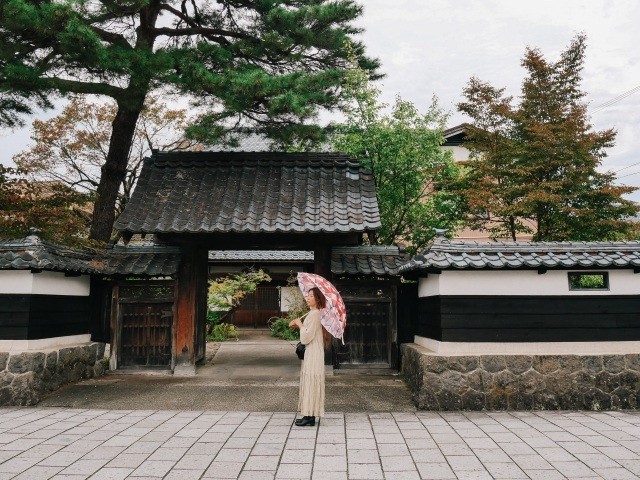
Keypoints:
(222, 332)
(280, 328)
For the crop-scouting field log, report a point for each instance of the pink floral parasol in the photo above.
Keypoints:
(334, 316)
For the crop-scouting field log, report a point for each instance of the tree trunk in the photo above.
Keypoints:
(130, 104)
(114, 170)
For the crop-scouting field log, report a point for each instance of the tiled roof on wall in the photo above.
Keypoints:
(249, 192)
(33, 253)
(365, 260)
(459, 255)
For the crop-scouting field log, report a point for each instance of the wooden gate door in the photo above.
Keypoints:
(370, 328)
(145, 326)
(258, 307)
(145, 340)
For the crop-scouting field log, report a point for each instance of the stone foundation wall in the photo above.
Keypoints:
(521, 382)
(26, 377)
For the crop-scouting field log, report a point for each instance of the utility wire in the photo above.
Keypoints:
(616, 99)
(628, 175)
(628, 166)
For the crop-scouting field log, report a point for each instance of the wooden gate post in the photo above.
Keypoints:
(190, 314)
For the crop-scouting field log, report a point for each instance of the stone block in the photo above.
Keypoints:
(435, 364)
(4, 356)
(6, 378)
(546, 364)
(592, 364)
(493, 363)
(595, 399)
(624, 398)
(463, 364)
(521, 401)
(51, 362)
(448, 400)
(613, 363)
(101, 348)
(479, 380)
(571, 399)
(497, 400)
(504, 382)
(426, 400)
(473, 400)
(570, 363)
(432, 381)
(26, 362)
(632, 361)
(547, 400)
(582, 381)
(453, 381)
(25, 389)
(519, 363)
(530, 382)
(93, 352)
(6, 396)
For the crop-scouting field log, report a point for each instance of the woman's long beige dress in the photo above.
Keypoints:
(311, 399)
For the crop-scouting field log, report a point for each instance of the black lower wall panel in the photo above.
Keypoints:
(468, 318)
(14, 317)
(31, 317)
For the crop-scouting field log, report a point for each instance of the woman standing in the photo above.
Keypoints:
(316, 339)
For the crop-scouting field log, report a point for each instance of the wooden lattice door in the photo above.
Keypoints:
(146, 326)
(370, 327)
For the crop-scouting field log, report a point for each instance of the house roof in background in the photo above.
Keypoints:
(251, 192)
(270, 256)
(446, 254)
(455, 135)
(360, 260)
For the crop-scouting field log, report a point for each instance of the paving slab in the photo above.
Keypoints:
(326, 450)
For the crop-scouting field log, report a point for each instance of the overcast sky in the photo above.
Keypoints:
(433, 47)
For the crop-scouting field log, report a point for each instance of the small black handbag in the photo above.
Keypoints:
(300, 350)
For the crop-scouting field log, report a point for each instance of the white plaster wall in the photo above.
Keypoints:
(459, 153)
(16, 282)
(288, 297)
(520, 282)
(44, 283)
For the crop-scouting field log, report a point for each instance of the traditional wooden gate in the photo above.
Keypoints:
(145, 320)
(370, 337)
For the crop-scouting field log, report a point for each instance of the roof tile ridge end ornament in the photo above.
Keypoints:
(33, 239)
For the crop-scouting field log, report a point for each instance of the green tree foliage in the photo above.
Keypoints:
(265, 65)
(538, 159)
(56, 211)
(403, 151)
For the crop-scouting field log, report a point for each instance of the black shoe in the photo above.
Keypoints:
(306, 422)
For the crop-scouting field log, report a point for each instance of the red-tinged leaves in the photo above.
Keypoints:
(535, 164)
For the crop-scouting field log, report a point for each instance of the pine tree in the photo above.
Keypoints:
(538, 160)
(266, 65)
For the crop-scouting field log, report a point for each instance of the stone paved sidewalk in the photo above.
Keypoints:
(54, 443)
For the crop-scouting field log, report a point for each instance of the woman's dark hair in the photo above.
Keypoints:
(321, 302)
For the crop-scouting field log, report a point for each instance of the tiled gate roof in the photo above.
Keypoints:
(250, 192)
